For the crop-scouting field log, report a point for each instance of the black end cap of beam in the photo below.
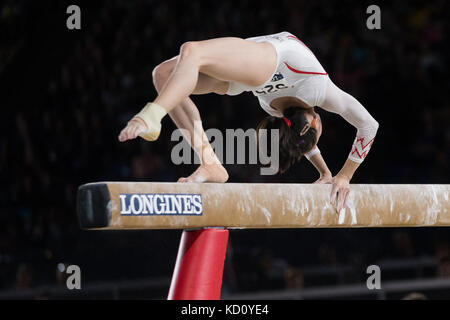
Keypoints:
(93, 206)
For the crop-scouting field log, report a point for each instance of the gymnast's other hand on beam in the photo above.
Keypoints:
(340, 191)
(324, 179)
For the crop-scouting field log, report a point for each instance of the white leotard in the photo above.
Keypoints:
(299, 74)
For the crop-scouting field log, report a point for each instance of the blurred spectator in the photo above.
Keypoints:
(271, 270)
(403, 245)
(415, 296)
(24, 277)
(327, 255)
(444, 267)
(293, 278)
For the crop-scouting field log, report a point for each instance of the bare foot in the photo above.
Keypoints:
(207, 173)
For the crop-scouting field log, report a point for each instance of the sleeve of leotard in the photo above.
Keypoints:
(342, 103)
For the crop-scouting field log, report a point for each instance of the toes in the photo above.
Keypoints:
(125, 134)
(122, 136)
(133, 133)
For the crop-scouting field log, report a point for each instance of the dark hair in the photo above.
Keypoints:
(292, 145)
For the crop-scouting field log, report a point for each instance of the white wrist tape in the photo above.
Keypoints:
(151, 114)
(312, 153)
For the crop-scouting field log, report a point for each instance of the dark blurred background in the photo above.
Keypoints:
(66, 94)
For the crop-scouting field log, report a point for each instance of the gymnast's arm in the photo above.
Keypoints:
(340, 102)
(318, 162)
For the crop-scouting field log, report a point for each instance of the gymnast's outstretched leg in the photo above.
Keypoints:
(224, 59)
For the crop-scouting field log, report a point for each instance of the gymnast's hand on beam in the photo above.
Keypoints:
(326, 178)
(133, 129)
(340, 191)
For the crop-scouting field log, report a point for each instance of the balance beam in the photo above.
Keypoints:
(142, 205)
(207, 210)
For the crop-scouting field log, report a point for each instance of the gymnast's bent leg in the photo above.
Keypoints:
(186, 114)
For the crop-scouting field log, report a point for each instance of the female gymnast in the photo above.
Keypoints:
(288, 81)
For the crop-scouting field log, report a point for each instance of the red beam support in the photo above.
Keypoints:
(199, 267)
